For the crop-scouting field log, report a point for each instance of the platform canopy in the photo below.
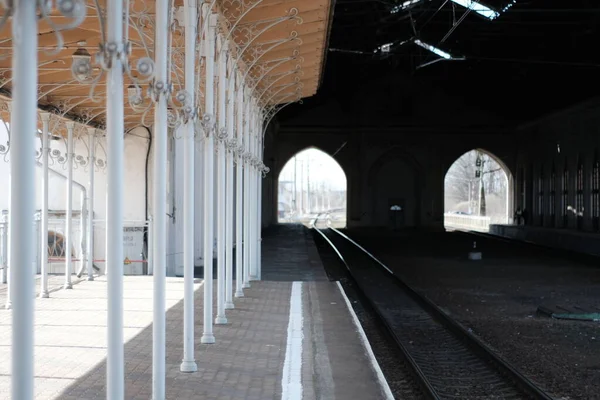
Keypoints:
(278, 44)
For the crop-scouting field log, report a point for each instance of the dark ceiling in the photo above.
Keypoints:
(537, 57)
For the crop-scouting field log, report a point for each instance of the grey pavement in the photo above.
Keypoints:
(247, 360)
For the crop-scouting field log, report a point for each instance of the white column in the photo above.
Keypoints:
(68, 214)
(22, 194)
(44, 217)
(8, 304)
(253, 190)
(256, 197)
(221, 318)
(4, 244)
(115, 132)
(259, 213)
(90, 207)
(229, 195)
(246, 211)
(188, 364)
(83, 232)
(250, 241)
(207, 336)
(160, 199)
(239, 276)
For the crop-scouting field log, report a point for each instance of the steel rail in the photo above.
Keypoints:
(456, 328)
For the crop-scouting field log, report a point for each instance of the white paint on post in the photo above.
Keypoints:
(291, 382)
(68, 214)
(44, 217)
(220, 207)
(239, 277)
(250, 212)
(188, 364)
(90, 208)
(246, 194)
(8, 304)
(115, 130)
(22, 194)
(160, 199)
(259, 207)
(365, 342)
(207, 336)
(254, 213)
(229, 199)
(4, 245)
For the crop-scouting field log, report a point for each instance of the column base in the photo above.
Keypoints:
(68, 286)
(207, 339)
(254, 278)
(220, 320)
(44, 295)
(188, 366)
(245, 285)
(239, 294)
(230, 305)
(90, 278)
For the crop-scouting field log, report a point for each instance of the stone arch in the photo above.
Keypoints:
(334, 200)
(508, 206)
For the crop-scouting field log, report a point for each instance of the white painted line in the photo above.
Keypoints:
(291, 383)
(363, 338)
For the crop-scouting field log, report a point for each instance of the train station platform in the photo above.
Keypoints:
(291, 337)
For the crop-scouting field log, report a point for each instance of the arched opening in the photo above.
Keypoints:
(478, 193)
(312, 183)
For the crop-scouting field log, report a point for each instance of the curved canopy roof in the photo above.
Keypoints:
(278, 45)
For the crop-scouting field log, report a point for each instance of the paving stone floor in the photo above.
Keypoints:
(247, 360)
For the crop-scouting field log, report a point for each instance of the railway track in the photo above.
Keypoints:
(448, 361)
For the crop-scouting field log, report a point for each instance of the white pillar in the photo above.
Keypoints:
(68, 214)
(220, 208)
(188, 364)
(90, 207)
(4, 244)
(150, 245)
(22, 194)
(115, 132)
(252, 203)
(229, 199)
(259, 213)
(246, 211)
(160, 86)
(239, 275)
(253, 198)
(44, 217)
(83, 232)
(207, 336)
(8, 304)
(250, 167)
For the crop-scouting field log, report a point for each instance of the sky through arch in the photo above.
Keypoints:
(311, 183)
(476, 192)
